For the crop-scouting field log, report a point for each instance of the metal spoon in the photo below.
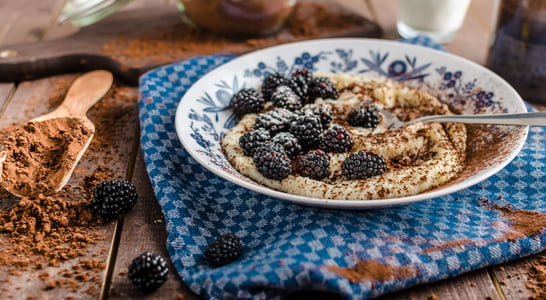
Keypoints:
(391, 121)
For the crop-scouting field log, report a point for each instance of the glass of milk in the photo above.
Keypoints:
(439, 19)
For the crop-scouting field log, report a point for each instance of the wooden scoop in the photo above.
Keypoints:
(50, 168)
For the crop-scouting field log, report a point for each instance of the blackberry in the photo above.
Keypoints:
(226, 249)
(113, 198)
(246, 101)
(336, 139)
(322, 110)
(307, 129)
(315, 164)
(289, 142)
(364, 115)
(299, 82)
(271, 161)
(322, 87)
(148, 271)
(363, 164)
(270, 84)
(253, 138)
(275, 120)
(285, 97)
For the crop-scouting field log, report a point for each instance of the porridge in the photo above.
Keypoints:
(323, 136)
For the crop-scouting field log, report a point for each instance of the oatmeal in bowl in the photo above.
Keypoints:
(304, 122)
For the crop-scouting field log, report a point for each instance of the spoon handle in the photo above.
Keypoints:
(85, 91)
(526, 119)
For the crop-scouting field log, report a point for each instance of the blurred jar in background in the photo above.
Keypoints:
(86, 12)
(237, 18)
(518, 51)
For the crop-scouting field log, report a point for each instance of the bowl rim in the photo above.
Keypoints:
(353, 203)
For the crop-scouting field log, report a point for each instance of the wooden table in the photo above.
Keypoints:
(143, 229)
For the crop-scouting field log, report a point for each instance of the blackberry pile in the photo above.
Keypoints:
(296, 134)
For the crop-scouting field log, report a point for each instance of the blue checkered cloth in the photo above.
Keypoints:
(288, 247)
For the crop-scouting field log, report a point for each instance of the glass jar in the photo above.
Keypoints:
(237, 18)
(86, 12)
(518, 51)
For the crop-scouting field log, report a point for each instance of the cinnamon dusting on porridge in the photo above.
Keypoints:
(334, 142)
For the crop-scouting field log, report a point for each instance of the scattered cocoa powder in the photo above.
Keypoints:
(179, 41)
(536, 282)
(524, 223)
(56, 230)
(449, 245)
(372, 270)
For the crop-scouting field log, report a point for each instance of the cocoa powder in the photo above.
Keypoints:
(373, 270)
(308, 20)
(58, 230)
(39, 154)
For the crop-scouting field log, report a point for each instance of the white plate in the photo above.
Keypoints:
(202, 117)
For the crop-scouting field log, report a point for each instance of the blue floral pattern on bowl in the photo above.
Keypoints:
(460, 85)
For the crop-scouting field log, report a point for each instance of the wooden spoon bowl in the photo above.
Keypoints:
(41, 155)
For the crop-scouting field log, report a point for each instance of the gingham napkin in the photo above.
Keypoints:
(288, 247)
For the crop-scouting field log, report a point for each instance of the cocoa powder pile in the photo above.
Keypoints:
(40, 154)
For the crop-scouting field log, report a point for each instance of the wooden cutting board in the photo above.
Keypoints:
(132, 42)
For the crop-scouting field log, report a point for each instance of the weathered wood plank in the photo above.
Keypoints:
(24, 20)
(6, 90)
(472, 286)
(144, 230)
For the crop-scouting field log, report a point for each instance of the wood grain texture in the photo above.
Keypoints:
(144, 230)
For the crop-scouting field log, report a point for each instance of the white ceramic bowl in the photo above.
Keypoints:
(203, 117)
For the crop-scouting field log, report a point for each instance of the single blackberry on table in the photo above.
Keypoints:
(315, 164)
(271, 161)
(113, 198)
(324, 112)
(336, 139)
(285, 97)
(307, 129)
(270, 84)
(226, 249)
(148, 271)
(275, 120)
(322, 87)
(289, 142)
(246, 101)
(253, 138)
(363, 164)
(364, 115)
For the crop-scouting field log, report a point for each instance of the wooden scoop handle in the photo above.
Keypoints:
(85, 92)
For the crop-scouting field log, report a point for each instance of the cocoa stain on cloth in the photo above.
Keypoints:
(38, 154)
(523, 222)
(372, 270)
(179, 41)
